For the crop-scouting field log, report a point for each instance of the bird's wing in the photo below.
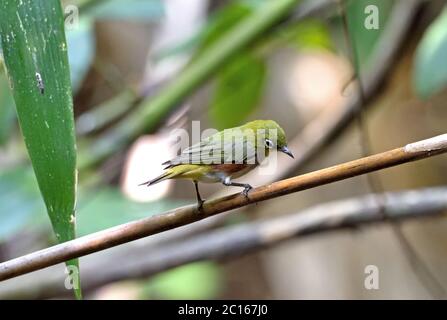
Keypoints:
(215, 150)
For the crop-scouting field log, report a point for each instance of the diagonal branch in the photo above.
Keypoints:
(333, 121)
(248, 237)
(234, 241)
(178, 217)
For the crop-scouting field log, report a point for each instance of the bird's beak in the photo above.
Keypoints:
(287, 151)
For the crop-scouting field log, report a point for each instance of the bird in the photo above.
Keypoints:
(226, 155)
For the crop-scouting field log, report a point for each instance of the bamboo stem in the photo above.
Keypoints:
(185, 215)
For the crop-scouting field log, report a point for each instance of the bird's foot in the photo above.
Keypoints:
(247, 188)
(200, 204)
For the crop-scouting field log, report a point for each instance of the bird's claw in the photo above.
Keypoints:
(200, 204)
(246, 190)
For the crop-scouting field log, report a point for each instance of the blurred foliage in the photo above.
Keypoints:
(307, 34)
(81, 51)
(141, 10)
(200, 280)
(109, 207)
(97, 209)
(238, 90)
(106, 112)
(240, 82)
(81, 38)
(19, 201)
(149, 113)
(364, 40)
(218, 24)
(221, 22)
(430, 70)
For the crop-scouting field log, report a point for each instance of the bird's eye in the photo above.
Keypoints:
(268, 143)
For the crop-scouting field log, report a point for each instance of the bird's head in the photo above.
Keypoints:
(274, 138)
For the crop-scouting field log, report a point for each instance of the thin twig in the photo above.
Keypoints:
(178, 217)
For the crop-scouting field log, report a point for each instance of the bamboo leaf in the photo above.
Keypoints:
(35, 54)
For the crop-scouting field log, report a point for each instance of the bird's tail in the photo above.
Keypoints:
(164, 176)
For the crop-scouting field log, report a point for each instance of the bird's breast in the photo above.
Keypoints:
(221, 171)
(229, 168)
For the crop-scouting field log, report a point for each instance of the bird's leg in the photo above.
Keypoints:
(200, 201)
(227, 181)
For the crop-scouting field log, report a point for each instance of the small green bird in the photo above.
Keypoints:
(226, 155)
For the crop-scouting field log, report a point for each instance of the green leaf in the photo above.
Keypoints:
(365, 39)
(199, 280)
(308, 34)
(127, 9)
(430, 72)
(240, 81)
(35, 54)
(7, 114)
(238, 90)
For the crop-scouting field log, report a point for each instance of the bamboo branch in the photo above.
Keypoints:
(248, 237)
(244, 238)
(234, 241)
(178, 217)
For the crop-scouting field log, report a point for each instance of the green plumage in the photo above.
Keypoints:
(227, 154)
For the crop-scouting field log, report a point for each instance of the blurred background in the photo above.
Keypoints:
(300, 73)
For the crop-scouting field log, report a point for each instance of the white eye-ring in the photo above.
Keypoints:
(268, 143)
